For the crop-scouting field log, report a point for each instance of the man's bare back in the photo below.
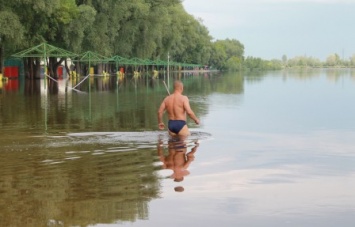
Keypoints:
(177, 106)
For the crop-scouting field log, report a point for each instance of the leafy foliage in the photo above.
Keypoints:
(227, 54)
(147, 29)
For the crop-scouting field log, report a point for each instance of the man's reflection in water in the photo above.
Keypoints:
(178, 159)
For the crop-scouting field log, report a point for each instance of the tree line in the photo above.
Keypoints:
(332, 61)
(147, 29)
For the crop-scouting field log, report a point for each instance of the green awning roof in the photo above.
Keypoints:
(45, 50)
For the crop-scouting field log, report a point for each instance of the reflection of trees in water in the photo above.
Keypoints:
(304, 73)
(254, 76)
(257, 76)
(93, 189)
(352, 74)
(229, 83)
(334, 74)
(130, 105)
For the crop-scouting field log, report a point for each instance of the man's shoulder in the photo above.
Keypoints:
(185, 97)
(167, 97)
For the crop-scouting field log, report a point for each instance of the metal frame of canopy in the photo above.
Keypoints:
(90, 57)
(43, 51)
(137, 62)
(119, 60)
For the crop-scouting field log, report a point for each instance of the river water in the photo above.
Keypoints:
(272, 149)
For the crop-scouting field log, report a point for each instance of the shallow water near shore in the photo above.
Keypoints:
(273, 149)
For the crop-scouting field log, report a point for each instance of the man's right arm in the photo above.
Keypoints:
(160, 115)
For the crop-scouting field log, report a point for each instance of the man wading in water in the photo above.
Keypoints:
(177, 106)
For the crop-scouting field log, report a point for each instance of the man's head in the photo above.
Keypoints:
(179, 189)
(178, 86)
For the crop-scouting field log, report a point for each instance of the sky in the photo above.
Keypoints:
(270, 29)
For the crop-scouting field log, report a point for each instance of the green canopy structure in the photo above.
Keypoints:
(92, 57)
(44, 51)
(160, 63)
(137, 62)
(120, 60)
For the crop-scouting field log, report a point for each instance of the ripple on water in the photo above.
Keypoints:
(55, 150)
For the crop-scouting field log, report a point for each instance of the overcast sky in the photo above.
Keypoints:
(272, 28)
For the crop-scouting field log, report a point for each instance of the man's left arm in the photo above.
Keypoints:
(189, 110)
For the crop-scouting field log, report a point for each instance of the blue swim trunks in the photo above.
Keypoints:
(175, 126)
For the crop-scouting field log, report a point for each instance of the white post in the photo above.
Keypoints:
(45, 68)
(168, 69)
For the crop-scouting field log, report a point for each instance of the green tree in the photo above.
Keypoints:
(218, 56)
(73, 34)
(333, 60)
(148, 29)
(223, 50)
(234, 63)
(352, 60)
(11, 33)
(190, 40)
(284, 60)
(252, 63)
(57, 22)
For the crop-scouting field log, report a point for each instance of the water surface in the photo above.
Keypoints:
(275, 149)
